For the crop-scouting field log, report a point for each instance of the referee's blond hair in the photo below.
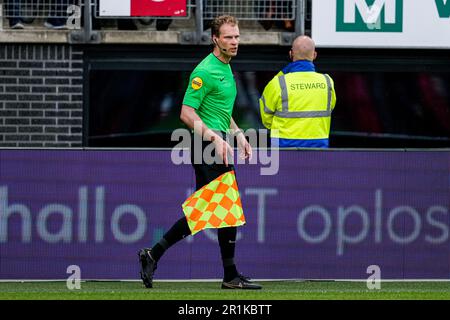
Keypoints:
(220, 21)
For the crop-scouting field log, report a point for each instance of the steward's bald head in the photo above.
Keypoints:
(303, 48)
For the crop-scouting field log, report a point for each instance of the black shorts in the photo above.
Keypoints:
(204, 172)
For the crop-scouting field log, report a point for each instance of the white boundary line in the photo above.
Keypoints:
(219, 280)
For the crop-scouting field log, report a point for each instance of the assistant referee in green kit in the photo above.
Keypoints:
(207, 109)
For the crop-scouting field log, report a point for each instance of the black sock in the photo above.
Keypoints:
(230, 272)
(177, 232)
(227, 243)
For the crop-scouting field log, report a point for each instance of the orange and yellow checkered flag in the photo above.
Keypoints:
(215, 205)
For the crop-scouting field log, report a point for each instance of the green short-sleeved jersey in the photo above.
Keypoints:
(212, 92)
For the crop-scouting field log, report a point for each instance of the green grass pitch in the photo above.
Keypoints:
(272, 290)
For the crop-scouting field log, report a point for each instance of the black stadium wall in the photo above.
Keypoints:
(41, 94)
(65, 95)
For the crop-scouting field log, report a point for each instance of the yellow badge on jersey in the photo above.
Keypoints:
(196, 83)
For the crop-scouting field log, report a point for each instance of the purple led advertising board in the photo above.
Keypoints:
(323, 215)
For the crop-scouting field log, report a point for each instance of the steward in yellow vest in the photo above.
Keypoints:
(296, 104)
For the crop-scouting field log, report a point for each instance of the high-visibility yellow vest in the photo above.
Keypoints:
(298, 105)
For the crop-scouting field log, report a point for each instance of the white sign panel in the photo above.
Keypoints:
(142, 8)
(381, 23)
(118, 8)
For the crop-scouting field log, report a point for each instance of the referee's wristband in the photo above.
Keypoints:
(236, 133)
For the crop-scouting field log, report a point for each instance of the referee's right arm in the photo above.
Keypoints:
(193, 121)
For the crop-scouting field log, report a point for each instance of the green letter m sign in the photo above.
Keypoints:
(369, 15)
